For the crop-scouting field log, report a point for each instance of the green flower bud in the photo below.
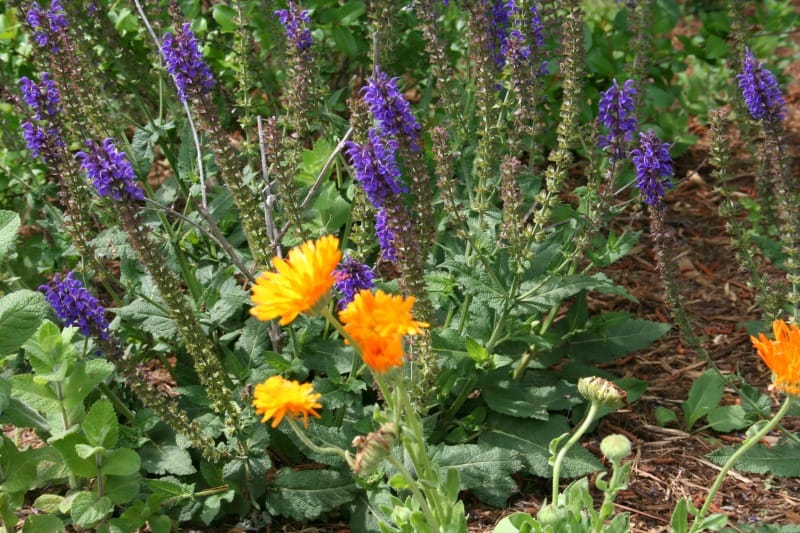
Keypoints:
(615, 447)
(602, 391)
(373, 448)
(550, 515)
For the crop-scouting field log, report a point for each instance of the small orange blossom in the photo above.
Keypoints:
(277, 397)
(782, 356)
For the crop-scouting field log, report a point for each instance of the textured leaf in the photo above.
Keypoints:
(87, 509)
(84, 379)
(9, 224)
(253, 342)
(231, 301)
(604, 344)
(531, 439)
(705, 395)
(549, 291)
(149, 318)
(485, 469)
(306, 494)
(21, 312)
(166, 458)
(142, 153)
(100, 425)
(121, 462)
(782, 460)
(532, 397)
(42, 523)
(122, 489)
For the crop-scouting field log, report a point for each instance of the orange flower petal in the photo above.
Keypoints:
(277, 397)
(782, 356)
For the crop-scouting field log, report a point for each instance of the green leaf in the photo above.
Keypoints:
(531, 397)
(606, 343)
(100, 425)
(306, 494)
(212, 505)
(9, 224)
(142, 153)
(345, 41)
(531, 439)
(21, 312)
(160, 524)
(5, 394)
(476, 351)
(253, 342)
(84, 379)
(484, 469)
(50, 351)
(166, 458)
(88, 509)
(225, 17)
(37, 395)
(705, 395)
(679, 522)
(85, 451)
(518, 522)
(20, 473)
(727, 418)
(42, 523)
(123, 489)
(148, 317)
(121, 462)
(664, 416)
(66, 446)
(782, 460)
(48, 503)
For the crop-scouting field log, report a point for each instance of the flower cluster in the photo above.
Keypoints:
(376, 167)
(75, 306)
(110, 171)
(653, 164)
(499, 15)
(377, 322)
(296, 22)
(47, 25)
(352, 276)
(185, 64)
(782, 356)
(41, 135)
(385, 235)
(390, 109)
(277, 397)
(616, 114)
(760, 90)
(299, 283)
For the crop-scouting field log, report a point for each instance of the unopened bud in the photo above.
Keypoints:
(615, 447)
(602, 391)
(373, 448)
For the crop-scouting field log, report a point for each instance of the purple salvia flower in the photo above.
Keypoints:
(351, 277)
(47, 24)
(35, 138)
(653, 164)
(537, 28)
(295, 23)
(760, 90)
(185, 64)
(390, 109)
(110, 171)
(376, 167)
(499, 15)
(385, 236)
(616, 114)
(43, 98)
(75, 305)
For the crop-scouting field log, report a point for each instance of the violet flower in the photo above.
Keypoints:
(43, 98)
(385, 236)
(653, 164)
(376, 167)
(110, 171)
(47, 25)
(185, 64)
(760, 91)
(295, 23)
(616, 114)
(351, 277)
(390, 109)
(75, 305)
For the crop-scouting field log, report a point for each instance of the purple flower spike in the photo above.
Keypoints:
(296, 23)
(385, 236)
(760, 91)
(185, 63)
(616, 114)
(43, 98)
(110, 171)
(47, 25)
(390, 109)
(351, 277)
(35, 138)
(376, 167)
(75, 305)
(653, 164)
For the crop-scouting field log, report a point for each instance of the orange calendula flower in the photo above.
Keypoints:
(277, 397)
(298, 283)
(782, 356)
(377, 322)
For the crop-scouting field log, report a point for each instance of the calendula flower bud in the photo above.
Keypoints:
(602, 391)
(551, 515)
(373, 448)
(615, 447)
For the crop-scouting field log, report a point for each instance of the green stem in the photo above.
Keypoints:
(121, 407)
(746, 445)
(562, 453)
(412, 484)
(101, 482)
(328, 450)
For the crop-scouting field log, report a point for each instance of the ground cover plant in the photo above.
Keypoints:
(368, 246)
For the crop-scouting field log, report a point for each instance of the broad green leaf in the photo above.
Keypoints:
(482, 468)
(607, 343)
(476, 351)
(160, 524)
(84, 379)
(142, 153)
(37, 395)
(9, 224)
(705, 395)
(253, 342)
(21, 312)
(86, 451)
(664, 416)
(306, 494)
(225, 17)
(48, 503)
(782, 460)
(727, 418)
(518, 522)
(5, 394)
(166, 458)
(42, 523)
(20, 473)
(87, 509)
(531, 439)
(50, 351)
(149, 317)
(679, 522)
(123, 489)
(212, 505)
(345, 41)
(100, 425)
(66, 446)
(534, 396)
(121, 462)
(170, 488)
